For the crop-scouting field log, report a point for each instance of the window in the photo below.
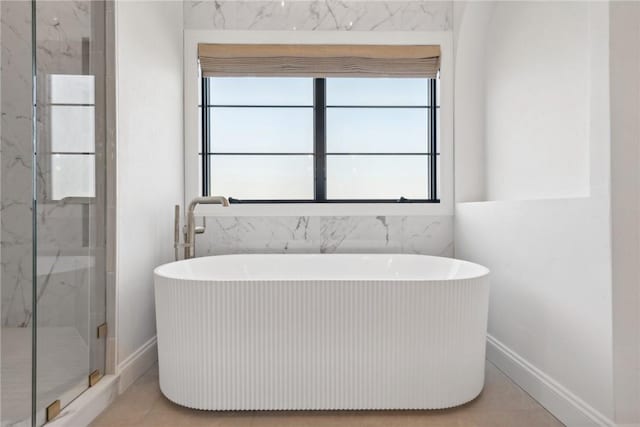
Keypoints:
(300, 139)
(71, 144)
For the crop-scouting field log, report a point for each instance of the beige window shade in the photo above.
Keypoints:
(318, 60)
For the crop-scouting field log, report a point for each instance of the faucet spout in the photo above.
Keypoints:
(190, 237)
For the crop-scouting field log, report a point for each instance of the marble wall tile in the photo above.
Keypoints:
(321, 15)
(66, 44)
(226, 235)
(16, 163)
(16, 285)
(430, 235)
(406, 234)
(64, 292)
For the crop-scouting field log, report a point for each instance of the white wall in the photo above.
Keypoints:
(546, 139)
(550, 291)
(470, 33)
(522, 101)
(150, 152)
(537, 101)
(625, 207)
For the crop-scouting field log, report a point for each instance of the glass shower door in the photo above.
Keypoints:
(52, 205)
(16, 193)
(70, 200)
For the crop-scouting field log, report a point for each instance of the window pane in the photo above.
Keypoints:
(438, 126)
(262, 130)
(377, 91)
(261, 91)
(72, 129)
(377, 130)
(377, 177)
(71, 89)
(200, 130)
(438, 180)
(72, 175)
(200, 175)
(262, 177)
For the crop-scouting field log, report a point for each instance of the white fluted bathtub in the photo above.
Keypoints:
(271, 332)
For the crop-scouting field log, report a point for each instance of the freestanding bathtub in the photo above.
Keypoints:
(276, 332)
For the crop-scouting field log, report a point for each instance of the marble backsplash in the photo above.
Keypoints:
(431, 235)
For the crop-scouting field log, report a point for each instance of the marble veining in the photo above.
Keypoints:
(62, 29)
(66, 253)
(409, 234)
(430, 235)
(16, 163)
(318, 15)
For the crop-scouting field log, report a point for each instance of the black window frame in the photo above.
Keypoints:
(320, 143)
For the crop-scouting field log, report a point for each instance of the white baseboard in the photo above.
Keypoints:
(562, 403)
(83, 410)
(137, 364)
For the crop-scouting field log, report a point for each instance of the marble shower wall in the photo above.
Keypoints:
(398, 234)
(15, 206)
(57, 24)
(71, 279)
(16, 163)
(66, 245)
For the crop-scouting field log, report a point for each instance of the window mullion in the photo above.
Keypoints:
(433, 157)
(206, 134)
(320, 139)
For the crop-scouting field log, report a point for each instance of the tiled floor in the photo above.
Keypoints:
(501, 404)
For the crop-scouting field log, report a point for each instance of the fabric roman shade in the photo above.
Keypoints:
(318, 60)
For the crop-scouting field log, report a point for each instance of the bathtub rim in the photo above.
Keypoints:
(159, 273)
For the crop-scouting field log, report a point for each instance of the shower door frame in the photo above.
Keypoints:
(107, 217)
